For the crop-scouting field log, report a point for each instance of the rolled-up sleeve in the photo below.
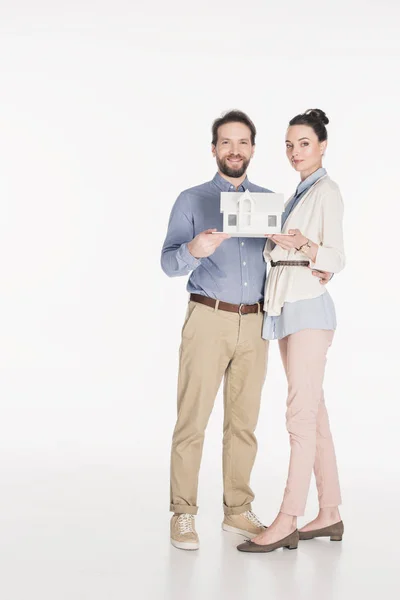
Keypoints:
(330, 255)
(269, 245)
(176, 259)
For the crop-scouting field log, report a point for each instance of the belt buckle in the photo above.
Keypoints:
(240, 310)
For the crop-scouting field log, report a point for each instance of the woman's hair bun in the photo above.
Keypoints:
(317, 114)
(315, 118)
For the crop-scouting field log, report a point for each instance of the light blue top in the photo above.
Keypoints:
(236, 271)
(315, 313)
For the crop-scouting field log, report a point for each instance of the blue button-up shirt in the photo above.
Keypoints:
(236, 271)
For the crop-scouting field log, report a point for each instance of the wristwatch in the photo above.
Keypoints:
(307, 245)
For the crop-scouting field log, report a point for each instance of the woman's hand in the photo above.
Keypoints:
(295, 239)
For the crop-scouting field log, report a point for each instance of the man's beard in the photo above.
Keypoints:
(230, 171)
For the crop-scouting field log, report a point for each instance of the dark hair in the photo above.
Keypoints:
(315, 118)
(233, 116)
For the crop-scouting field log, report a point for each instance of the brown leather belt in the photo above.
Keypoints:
(290, 263)
(241, 309)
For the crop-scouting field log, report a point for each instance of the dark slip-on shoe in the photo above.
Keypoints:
(335, 532)
(290, 541)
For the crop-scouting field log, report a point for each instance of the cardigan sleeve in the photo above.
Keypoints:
(330, 255)
(267, 250)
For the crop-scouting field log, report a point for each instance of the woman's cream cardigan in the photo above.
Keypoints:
(319, 217)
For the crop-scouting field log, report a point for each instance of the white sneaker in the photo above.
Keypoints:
(183, 532)
(247, 523)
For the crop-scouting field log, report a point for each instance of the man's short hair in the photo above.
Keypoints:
(233, 116)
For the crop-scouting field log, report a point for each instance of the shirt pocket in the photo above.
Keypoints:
(187, 329)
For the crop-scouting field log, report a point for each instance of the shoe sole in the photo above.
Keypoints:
(185, 545)
(290, 547)
(231, 529)
(334, 538)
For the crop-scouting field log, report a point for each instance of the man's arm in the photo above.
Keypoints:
(176, 259)
(182, 251)
(324, 276)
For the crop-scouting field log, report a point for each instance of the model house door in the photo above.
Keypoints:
(245, 214)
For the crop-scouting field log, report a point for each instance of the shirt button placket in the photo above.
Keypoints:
(245, 274)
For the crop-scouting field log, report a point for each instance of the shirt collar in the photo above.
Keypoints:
(226, 186)
(311, 179)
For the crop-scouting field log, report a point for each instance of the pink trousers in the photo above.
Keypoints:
(304, 358)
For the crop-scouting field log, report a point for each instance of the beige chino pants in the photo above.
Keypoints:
(217, 344)
(304, 358)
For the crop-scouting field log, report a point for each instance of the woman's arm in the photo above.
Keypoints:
(329, 255)
(267, 250)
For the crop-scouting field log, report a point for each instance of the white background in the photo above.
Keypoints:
(105, 116)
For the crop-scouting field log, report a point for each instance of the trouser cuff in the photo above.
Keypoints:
(183, 508)
(236, 510)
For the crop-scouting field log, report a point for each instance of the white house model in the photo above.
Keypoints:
(251, 214)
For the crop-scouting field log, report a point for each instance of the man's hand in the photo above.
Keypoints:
(324, 276)
(206, 243)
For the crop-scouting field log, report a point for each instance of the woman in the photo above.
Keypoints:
(301, 315)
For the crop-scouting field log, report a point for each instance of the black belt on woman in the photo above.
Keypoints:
(290, 263)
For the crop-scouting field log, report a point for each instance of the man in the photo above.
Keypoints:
(221, 336)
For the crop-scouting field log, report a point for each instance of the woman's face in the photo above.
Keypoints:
(303, 149)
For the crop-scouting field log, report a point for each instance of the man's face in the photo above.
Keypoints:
(234, 149)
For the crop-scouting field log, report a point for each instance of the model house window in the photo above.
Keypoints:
(232, 220)
(272, 221)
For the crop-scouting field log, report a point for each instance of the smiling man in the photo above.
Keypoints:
(221, 336)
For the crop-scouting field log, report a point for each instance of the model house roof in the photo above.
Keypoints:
(242, 196)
